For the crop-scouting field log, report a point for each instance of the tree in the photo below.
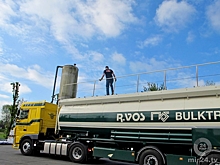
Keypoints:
(14, 107)
(209, 83)
(2, 126)
(9, 111)
(154, 87)
(6, 116)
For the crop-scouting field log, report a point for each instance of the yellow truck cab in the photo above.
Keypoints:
(36, 120)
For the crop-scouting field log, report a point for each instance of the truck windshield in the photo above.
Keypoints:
(23, 114)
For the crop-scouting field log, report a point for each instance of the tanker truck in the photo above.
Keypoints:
(168, 127)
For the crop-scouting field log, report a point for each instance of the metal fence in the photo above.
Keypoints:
(172, 78)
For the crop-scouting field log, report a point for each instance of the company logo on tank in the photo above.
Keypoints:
(169, 116)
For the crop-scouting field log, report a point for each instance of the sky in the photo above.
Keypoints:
(130, 36)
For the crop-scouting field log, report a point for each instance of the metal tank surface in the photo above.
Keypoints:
(68, 83)
(169, 110)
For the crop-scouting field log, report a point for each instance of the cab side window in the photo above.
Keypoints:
(23, 114)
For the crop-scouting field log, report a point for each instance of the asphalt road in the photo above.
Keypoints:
(10, 156)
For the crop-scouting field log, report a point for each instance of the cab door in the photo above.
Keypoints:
(33, 122)
(21, 124)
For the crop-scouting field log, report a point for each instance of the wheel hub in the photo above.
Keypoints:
(150, 160)
(77, 153)
(26, 147)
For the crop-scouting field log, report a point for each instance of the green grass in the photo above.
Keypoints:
(2, 135)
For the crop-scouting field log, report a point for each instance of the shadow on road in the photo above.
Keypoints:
(102, 161)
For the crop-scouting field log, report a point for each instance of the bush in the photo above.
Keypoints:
(2, 135)
(154, 87)
(2, 130)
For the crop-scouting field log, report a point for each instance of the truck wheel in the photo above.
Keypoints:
(77, 153)
(26, 147)
(150, 157)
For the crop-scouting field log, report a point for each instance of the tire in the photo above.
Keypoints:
(26, 147)
(77, 153)
(151, 157)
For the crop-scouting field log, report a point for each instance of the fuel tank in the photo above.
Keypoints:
(179, 109)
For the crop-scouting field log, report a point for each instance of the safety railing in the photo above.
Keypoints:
(172, 78)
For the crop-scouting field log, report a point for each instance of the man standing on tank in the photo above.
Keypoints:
(108, 73)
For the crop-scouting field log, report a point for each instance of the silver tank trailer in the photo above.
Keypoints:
(68, 83)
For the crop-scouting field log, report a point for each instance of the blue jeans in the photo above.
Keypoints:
(109, 82)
